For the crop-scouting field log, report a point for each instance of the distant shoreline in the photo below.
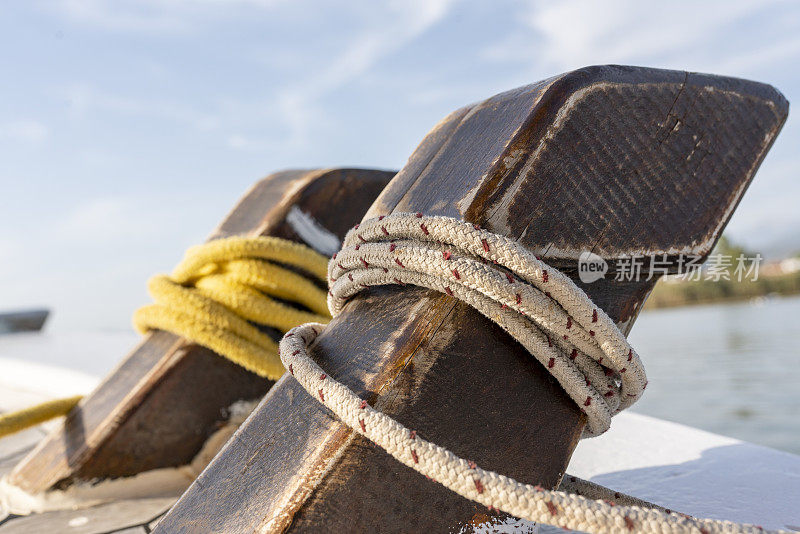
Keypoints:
(672, 293)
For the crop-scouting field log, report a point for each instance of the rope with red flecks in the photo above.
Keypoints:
(541, 308)
(538, 305)
(467, 479)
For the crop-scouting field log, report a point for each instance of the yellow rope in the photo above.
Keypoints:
(13, 422)
(220, 288)
(215, 297)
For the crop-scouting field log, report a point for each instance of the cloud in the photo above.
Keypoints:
(84, 99)
(566, 35)
(130, 221)
(376, 40)
(770, 53)
(408, 20)
(297, 105)
(26, 131)
(293, 105)
(246, 143)
(11, 251)
(153, 16)
(102, 219)
(765, 216)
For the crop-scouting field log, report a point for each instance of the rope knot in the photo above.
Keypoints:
(578, 344)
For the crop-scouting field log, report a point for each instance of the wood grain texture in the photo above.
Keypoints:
(158, 407)
(616, 160)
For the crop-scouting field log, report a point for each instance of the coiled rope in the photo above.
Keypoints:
(541, 308)
(218, 296)
(222, 286)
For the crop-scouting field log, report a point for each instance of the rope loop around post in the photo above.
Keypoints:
(466, 478)
(536, 304)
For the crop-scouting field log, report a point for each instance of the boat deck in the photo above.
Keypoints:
(682, 468)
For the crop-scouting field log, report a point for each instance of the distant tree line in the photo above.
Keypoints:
(676, 292)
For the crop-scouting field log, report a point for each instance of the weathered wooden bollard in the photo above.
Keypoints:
(162, 403)
(619, 161)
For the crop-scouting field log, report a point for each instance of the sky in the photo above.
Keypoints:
(128, 129)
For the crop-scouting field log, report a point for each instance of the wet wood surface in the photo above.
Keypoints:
(160, 405)
(614, 160)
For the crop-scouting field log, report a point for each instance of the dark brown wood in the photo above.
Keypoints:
(168, 396)
(615, 160)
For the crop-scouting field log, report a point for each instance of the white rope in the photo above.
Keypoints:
(466, 478)
(541, 308)
(538, 305)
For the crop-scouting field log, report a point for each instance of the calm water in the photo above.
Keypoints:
(732, 369)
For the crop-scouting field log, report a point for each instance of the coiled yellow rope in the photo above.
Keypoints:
(220, 287)
(214, 297)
